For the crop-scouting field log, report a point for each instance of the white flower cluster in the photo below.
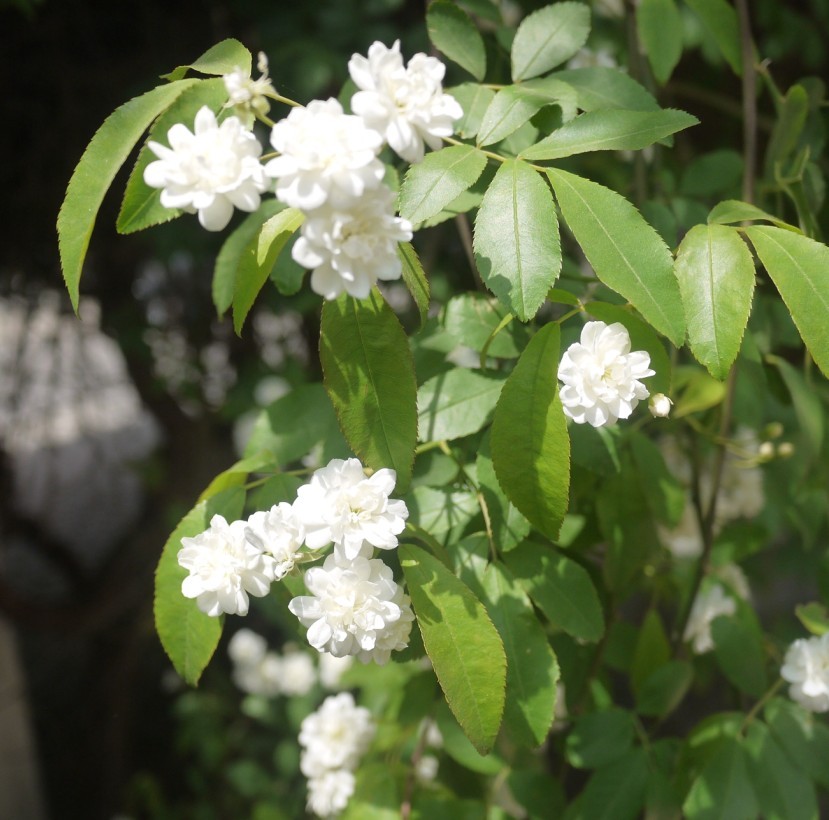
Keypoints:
(333, 740)
(211, 170)
(355, 606)
(717, 597)
(601, 376)
(806, 668)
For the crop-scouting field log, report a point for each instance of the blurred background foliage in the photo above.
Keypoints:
(114, 731)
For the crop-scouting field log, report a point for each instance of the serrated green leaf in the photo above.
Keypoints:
(472, 318)
(560, 588)
(141, 207)
(627, 254)
(105, 154)
(530, 445)
(474, 100)
(663, 690)
(548, 37)
(439, 511)
(659, 26)
(723, 789)
(617, 791)
(797, 265)
(738, 645)
(369, 375)
(234, 248)
(716, 172)
(612, 129)
(457, 746)
(463, 645)
(189, 637)
(452, 31)
(509, 110)
(599, 738)
(414, 277)
(532, 669)
(222, 58)
(715, 272)
(430, 185)
(509, 527)
(732, 210)
(517, 245)
(457, 403)
(791, 119)
(723, 27)
(258, 258)
(600, 87)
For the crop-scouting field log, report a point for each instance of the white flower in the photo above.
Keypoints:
(355, 608)
(298, 673)
(249, 96)
(406, 105)
(279, 533)
(331, 669)
(601, 375)
(713, 600)
(211, 170)
(685, 539)
(224, 568)
(426, 768)
(247, 648)
(349, 250)
(335, 736)
(342, 505)
(806, 668)
(329, 793)
(660, 406)
(326, 157)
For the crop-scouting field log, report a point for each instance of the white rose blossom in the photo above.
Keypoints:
(717, 597)
(298, 673)
(601, 376)
(404, 104)
(335, 736)
(210, 170)
(326, 156)
(278, 532)
(349, 250)
(341, 504)
(355, 608)
(224, 568)
(329, 793)
(806, 668)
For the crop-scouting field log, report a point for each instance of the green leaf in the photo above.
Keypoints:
(663, 690)
(452, 31)
(612, 129)
(475, 100)
(617, 791)
(105, 154)
(548, 37)
(532, 669)
(509, 110)
(456, 404)
(783, 789)
(443, 175)
(659, 26)
(369, 375)
(414, 278)
(665, 496)
(627, 254)
(791, 119)
(375, 794)
(462, 643)
(599, 738)
(560, 588)
(802, 736)
(189, 637)
(472, 318)
(738, 644)
(723, 28)
(517, 244)
(257, 261)
(652, 649)
(509, 527)
(457, 746)
(222, 58)
(601, 87)
(530, 445)
(797, 265)
(732, 210)
(233, 250)
(696, 391)
(723, 789)
(439, 511)
(715, 272)
(236, 474)
(814, 616)
(808, 407)
(294, 424)
(713, 173)
(141, 207)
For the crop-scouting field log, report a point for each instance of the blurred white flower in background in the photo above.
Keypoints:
(806, 668)
(718, 596)
(331, 669)
(329, 792)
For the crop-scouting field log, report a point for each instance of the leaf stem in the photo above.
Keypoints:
(749, 102)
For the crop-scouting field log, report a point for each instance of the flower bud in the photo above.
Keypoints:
(660, 406)
(766, 451)
(785, 449)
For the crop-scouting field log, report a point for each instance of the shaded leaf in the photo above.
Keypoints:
(723, 789)
(601, 87)
(548, 37)
(415, 279)
(732, 210)
(452, 31)
(659, 26)
(475, 100)
(720, 20)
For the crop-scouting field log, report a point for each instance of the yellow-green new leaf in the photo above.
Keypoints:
(222, 58)
(104, 156)
(715, 272)
(626, 253)
(465, 648)
(798, 267)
